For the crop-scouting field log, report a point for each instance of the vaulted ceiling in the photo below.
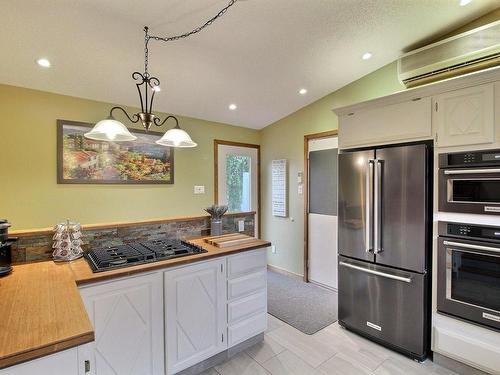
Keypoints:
(258, 55)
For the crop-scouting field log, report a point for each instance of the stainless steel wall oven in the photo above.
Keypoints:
(469, 182)
(469, 272)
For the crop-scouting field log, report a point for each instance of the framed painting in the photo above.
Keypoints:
(85, 161)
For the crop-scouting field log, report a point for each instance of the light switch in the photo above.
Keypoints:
(241, 225)
(199, 189)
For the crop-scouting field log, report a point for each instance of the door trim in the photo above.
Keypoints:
(307, 138)
(218, 142)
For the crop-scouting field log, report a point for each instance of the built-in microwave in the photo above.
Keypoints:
(469, 182)
(469, 272)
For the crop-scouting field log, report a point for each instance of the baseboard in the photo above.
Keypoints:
(324, 286)
(453, 365)
(285, 272)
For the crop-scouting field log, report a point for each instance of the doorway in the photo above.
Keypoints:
(237, 178)
(320, 208)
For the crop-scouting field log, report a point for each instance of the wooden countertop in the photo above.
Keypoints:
(41, 311)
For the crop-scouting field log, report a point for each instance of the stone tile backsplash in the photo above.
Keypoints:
(39, 247)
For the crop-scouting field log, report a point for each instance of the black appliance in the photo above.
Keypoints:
(469, 272)
(139, 253)
(469, 182)
(385, 197)
(5, 248)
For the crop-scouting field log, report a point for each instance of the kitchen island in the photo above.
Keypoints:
(49, 308)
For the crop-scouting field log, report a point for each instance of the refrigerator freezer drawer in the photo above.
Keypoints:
(386, 304)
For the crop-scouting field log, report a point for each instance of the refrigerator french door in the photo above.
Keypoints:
(384, 210)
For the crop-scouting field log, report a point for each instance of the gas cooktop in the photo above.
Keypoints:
(139, 253)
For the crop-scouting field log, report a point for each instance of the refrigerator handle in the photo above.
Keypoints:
(369, 207)
(377, 208)
(375, 272)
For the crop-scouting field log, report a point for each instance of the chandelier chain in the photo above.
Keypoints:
(194, 31)
(146, 51)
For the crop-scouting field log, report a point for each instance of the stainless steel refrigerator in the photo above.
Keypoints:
(385, 226)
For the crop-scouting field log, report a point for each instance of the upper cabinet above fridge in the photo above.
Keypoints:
(408, 120)
(459, 112)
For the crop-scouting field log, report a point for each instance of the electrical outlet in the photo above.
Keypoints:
(199, 189)
(273, 249)
(300, 189)
(241, 225)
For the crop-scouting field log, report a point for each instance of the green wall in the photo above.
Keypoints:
(30, 196)
(285, 140)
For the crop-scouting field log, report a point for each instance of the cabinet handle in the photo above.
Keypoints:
(87, 366)
(222, 337)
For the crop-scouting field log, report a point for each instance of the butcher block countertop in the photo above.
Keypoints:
(41, 311)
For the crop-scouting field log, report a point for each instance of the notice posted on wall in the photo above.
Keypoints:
(279, 188)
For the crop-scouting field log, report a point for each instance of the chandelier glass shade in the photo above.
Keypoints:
(112, 130)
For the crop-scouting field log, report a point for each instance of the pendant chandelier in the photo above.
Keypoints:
(112, 130)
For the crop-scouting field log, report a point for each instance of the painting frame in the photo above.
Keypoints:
(60, 159)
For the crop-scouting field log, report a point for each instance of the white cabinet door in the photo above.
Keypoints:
(392, 123)
(127, 316)
(465, 117)
(62, 363)
(196, 314)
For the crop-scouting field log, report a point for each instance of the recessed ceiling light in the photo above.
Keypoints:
(464, 2)
(44, 63)
(303, 91)
(232, 107)
(366, 56)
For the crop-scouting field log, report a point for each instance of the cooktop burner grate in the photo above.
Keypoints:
(139, 253)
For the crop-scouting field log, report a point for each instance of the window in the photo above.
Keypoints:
(238, 184)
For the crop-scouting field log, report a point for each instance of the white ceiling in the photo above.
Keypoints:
(257, 56)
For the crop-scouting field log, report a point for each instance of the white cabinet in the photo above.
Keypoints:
(465, 117)
(62, 363)
(247, 295)
(468, 343)
(127, 315)
(196, 313)
(404, 121)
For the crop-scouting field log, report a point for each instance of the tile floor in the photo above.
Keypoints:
(330, 351)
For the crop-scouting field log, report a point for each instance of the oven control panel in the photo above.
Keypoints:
(472, 231)
(467, 159)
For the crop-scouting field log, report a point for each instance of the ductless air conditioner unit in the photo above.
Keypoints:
(464, 53)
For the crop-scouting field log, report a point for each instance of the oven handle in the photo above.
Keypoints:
(377, 273)
(470, 246)
(471, 171)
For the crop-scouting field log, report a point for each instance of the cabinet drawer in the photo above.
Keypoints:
(240, 264)
(246, 329)
(247, 306)
(246, 284)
